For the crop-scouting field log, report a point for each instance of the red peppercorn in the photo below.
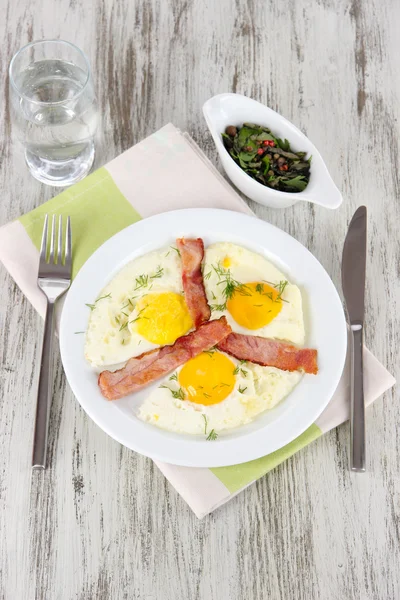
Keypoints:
(272, 144)
(283, 168)
(266, 143)
(260, 151)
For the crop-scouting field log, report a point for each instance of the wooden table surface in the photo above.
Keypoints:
(102, 522)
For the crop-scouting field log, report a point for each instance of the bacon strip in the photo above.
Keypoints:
(192, 252)
(146, 368)
(270, 353)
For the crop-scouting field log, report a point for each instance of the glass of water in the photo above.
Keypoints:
(54, 110)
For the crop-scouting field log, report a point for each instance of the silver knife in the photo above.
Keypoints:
(353, 283)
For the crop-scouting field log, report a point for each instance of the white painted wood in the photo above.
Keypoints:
(103, 523)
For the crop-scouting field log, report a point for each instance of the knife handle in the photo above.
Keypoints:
(357, 406)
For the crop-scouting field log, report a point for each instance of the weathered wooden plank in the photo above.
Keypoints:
(102, 522)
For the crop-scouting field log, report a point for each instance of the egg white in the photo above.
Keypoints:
(247, 266)
(265, 388)
(105, 343)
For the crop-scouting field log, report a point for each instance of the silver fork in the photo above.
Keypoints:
(54, 278)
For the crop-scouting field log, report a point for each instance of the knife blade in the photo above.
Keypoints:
(353, 266)
(353, 284)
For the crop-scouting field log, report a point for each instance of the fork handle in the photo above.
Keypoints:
(44, 392)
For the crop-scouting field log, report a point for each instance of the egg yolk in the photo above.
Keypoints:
(208, 378)
(162, 318)
(255, 305)
(226, 263)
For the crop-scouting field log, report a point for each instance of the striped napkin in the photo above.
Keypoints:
(120, 194)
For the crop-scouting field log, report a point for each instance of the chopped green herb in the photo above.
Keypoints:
(205, 423)
(123, 342)
(103, 297)
(124, 313)
(224, 384)
(91, 306)
(117, 319)
(207, 275)
(141, 281)
(212, 436)
(76, 332)
(173, 377)
(176, 250)
(206, 395)
(239, 369)
(211, 351)
(242, 389)
(179, 394)
(158, 273)
(281, 286)
(217, 307)
(123, 326)
(258, 305)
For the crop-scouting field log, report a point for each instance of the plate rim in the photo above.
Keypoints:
(103, 421)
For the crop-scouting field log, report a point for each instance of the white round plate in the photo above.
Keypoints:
(324, 321)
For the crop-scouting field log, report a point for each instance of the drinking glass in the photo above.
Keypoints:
(54, 110)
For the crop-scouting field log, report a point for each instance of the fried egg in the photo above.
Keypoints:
(143, 307)
(214, 392)
(252, 293)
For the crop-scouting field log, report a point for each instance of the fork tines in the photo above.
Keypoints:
(55, 255)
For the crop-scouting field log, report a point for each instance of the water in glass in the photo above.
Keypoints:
(55, 115)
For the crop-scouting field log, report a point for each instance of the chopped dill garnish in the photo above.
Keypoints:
(231, 286)
(158, 273)
(212, 436)
(173, 377)
(124, 326)
(207, 275)
(124, 313)
(91, 306)
(260, 288)
(179, 394)
(224, 384)
(215, 386)
(176, 250)
(141, 281)
(210, 351)
(205, 423)
(117, 319)
(281, 288)
(239, 369)
(123, 342)
(76, 332)
(217, 307)
(206, 395)
(213, 295)
(242, 390)
(139, 315)
(258, 305)
(102, 297)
